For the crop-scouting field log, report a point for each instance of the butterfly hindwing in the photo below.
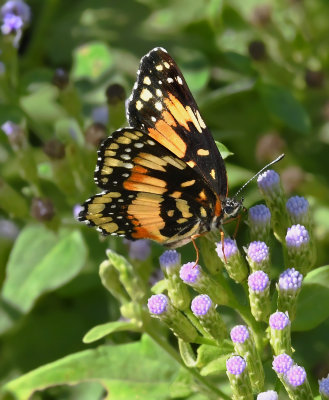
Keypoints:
(148, 192)
(162, 105)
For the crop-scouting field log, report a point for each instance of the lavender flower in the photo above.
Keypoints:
(296, 375)
(139, 249)
(259, 295)
(245, 346)
(288, 287)
(170, 262)
(297, 384)
(160, 307)
(282, 363)
(235, 264)
(298, 210)
(300, 252)
(269, 395)
(259, 221)
(15, 16)
(239, 379)
(194, 276)
(158, 304)
(258, 256)
(324, 388)
(270, 187)
(280, 333)
(203, 308)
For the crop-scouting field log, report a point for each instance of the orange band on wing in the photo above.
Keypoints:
(166, 135)
(218, 207)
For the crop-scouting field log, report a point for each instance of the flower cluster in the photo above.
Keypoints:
(192, 299)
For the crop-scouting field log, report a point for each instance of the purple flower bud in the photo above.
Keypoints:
(258, 281)
(235, 365)
(2, 68)
(10, 127)
(76, 211)
(282, 363)
(297, 235)
(258, 252)
(297, 206)
(17, 7)
(296, 375)
(190, 273)
(169, 258)
(157, 304)
(269, 395)
(201, 305)
(268, 180)
(279, 320)
(290, 279)
(259, 214)
(11, 24)
(230, 248)
(324, 386)
(239, 334)
(139, 249)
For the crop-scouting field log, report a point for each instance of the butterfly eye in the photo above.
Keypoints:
(232, 207)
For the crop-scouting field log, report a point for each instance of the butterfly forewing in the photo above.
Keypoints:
(162, 105)
(148, 192)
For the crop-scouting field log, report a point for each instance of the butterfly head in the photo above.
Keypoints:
(232, 207)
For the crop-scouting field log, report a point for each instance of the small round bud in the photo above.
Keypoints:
(115, 94)
(15, 134)
(268, 181)
(258, 281)
(297, 206)
(296, 375)
(282, 363)
(95, 134)
(235, 365)
(257, 50)
(201, 305)
(170, 258)
(190, 273)
(239, 334)
(258, 252)
(157, 304)
(230, 249)
(61, 78)
(139, 249)
(259, 214)
(42, 209)
(54, 149)
(279, 320)
(297, 236)
(269, 395)
(290, 279)
(324, 386)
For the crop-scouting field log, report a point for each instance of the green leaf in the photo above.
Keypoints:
(99, 331)
(91, 61)
(312, 303)
(283, 105)
(224, 151)
(124, 370)
(39, 262)
(160, 286)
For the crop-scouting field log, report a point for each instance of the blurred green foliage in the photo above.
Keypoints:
(259, 72)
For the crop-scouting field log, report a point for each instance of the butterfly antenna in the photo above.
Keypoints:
(259, 172)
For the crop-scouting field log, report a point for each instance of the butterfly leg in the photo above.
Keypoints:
(196, 249)
(222, 241)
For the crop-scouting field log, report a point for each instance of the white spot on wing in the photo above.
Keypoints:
(158, 106)
(179, 80)
(139, 145)
(158, 92)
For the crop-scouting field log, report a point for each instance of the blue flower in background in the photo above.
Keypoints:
(15, 16)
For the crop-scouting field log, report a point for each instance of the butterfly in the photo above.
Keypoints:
(163, 178)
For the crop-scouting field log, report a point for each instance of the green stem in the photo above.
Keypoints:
(174, 354)
(196, 323)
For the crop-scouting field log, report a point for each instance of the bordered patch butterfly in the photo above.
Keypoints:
(163, 178)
